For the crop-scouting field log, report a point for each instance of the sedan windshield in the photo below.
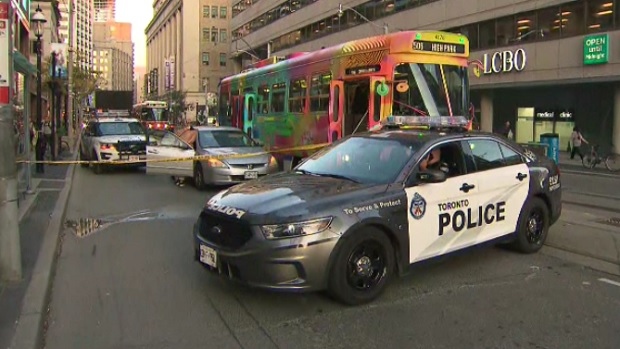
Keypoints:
(430, 89)
(224, 139)
(120, 128)
(361, 159)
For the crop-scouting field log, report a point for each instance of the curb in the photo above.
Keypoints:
(29, 330)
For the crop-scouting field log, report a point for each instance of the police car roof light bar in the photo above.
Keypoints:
(428, 122)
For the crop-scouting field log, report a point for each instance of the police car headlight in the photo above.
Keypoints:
(282, 231)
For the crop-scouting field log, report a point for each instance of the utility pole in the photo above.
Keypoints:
(72, 122)
(10, 249)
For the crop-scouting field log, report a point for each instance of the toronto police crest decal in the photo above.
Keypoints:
(418, 206)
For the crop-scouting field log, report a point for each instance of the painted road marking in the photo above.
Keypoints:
(611, 282)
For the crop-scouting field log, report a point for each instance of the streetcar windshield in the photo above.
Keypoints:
(154, 114)
(430, 89)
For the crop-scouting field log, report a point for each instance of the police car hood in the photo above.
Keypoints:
(289, 196)
(122, 138)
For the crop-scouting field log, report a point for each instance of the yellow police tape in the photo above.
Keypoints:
(192, 158)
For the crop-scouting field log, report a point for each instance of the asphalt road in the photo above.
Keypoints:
(134, 284)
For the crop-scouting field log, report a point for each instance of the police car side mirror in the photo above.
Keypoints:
(431, 176)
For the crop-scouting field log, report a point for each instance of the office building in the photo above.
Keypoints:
(82, 38)
(544, 66)
(113, 55)
(105, 10)
(187, 49)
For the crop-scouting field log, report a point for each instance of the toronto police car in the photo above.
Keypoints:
(353, 215)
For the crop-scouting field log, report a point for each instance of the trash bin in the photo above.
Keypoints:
(552, 140)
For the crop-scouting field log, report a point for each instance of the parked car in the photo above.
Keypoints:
(237, 157)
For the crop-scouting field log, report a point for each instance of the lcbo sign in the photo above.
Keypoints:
(504, 61)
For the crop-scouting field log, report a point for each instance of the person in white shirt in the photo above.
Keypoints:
(576, 139)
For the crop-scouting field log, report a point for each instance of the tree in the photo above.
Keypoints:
(85, 81)
(176, 101)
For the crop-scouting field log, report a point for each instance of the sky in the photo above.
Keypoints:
(139, 14)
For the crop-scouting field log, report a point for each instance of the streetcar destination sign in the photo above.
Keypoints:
(439, 47)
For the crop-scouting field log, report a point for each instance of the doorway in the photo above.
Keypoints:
(356, 106)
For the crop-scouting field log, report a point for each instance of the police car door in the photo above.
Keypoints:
(503, 179)
(438, 212)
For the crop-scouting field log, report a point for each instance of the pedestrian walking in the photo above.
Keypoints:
(576, 138)
(507, 131)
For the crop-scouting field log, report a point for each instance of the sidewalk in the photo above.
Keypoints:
(575, 166)
(37, 212)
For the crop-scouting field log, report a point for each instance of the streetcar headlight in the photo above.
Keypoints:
(282, 231)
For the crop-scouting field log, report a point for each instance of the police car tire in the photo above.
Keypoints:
(97, 168)
(521, 243)
(339, 288)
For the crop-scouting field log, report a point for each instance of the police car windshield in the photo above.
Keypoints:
(430, 89)
(120, 128)
(367, 160)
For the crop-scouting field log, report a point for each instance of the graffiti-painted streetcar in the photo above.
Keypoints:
(319, 97)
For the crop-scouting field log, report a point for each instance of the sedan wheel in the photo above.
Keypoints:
(199, 178)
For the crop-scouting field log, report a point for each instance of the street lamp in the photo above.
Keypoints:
(38, 19)
(341, 7)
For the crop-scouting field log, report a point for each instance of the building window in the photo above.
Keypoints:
(205, 11)
(223, 60)
(213, 11)
(486, 34)
(547, 24)
(572, 17)
(505, 31)
(527, 27)
(205, 58)
(600, 15)
(213, 35)
(223, 35)
(223, 12)
(205, 33)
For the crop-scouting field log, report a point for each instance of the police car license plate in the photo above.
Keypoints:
(250, 175)
(208, 256)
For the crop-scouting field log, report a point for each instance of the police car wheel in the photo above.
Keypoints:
(82, 158)
(533, 226)
(362, 267)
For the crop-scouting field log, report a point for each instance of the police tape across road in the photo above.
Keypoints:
(191, 158)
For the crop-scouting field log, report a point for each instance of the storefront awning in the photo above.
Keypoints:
(22, 64)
